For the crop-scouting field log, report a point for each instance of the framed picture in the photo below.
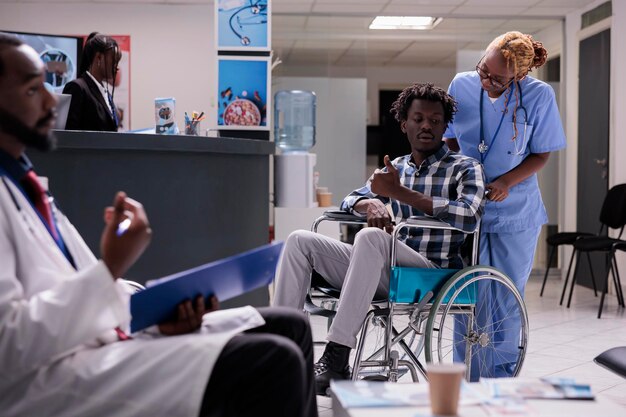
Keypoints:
(243, 25)
(243, 92)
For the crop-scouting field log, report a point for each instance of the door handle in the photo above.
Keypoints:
(601, 162)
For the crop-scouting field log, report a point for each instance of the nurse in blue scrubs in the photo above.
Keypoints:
(510, 122)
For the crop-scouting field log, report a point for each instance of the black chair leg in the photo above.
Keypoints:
(618, 283)
(609, 269)
(569, 269)
(545, 277)
(593, 278)
(571, 288)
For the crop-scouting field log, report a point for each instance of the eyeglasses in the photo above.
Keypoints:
(494, 81)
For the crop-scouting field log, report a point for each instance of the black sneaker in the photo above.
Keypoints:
(323, 376)
(332, 365)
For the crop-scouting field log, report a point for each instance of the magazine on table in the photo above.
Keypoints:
(535, 388)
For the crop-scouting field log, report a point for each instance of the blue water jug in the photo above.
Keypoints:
(294, 120)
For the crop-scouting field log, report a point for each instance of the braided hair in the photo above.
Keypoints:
(97, 42)
(522, 53)
(427, 91)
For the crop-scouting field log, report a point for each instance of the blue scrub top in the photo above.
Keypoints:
(523, 208)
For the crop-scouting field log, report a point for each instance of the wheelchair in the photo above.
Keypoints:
(447, 315)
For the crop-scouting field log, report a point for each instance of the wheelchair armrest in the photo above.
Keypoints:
(338, 216)
(429, 223)
(343, 215)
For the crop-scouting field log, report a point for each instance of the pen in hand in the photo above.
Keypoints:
(123, 227)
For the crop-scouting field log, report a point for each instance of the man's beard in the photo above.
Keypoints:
(30, 137)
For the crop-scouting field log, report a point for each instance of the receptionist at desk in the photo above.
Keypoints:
(92, 106)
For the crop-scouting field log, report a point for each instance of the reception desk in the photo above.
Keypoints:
(206, 198)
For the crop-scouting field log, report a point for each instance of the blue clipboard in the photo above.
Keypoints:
(225, 278)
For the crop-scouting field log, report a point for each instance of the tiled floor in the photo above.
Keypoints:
(562, 341)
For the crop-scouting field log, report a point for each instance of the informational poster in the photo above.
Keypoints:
(59, 55)
(244, 94)
(243, 25)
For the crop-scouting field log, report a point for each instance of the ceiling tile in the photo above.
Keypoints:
(300, 6)
(527, 25)
(434, 47)
(321, 44)
(349, 2)
(386, 45)
(467, 24)
(549, 11)
(426, 2)
(416, 10)
(498, 4)
(489, 11)
(565, 3)
(282, 43)
(338, 22)
(282, 21)
(341, 7)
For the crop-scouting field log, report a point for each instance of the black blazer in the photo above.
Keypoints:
(88, 111)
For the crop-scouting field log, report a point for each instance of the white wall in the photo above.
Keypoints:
(340, 130)
(171, 47)
(378, 78)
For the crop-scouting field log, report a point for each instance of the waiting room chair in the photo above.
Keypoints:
(613, 208)
(613, 216)
(614, 360)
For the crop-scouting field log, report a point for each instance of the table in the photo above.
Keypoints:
(538, 408)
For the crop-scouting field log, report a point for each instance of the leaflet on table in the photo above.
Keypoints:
(362, 394)
(545, 388)
(225, 278)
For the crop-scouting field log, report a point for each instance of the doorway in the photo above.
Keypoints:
(593, 143)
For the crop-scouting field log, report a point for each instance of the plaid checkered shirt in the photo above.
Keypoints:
(457, 186)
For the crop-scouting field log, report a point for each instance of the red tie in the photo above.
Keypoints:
(40, 198)
(121, 335)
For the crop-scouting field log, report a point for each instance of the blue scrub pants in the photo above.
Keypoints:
(513, 254)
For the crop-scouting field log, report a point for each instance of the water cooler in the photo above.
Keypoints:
(294, 133)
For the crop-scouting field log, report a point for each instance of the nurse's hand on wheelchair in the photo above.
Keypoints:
(497, 190)
(188, 316)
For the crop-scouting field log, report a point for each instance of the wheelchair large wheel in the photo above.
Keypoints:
(478, 317)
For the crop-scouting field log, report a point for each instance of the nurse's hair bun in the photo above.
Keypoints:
(541, 55)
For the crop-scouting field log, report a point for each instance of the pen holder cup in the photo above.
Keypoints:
(192, 128)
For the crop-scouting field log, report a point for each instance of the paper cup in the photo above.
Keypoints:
(444, 382)
(325, 199)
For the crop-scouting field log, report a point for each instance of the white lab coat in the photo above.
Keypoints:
(57, 356)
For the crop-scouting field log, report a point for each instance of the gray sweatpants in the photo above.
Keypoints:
(361, 271)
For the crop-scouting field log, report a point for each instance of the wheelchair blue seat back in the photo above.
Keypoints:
(408, 285)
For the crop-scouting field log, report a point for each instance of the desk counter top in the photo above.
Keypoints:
(167, 143)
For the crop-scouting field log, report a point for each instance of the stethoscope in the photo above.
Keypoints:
(258, 17)
(483, 147)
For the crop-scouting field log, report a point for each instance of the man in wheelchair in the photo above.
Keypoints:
(432, 181)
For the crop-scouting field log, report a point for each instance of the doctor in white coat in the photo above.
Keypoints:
(62, 350)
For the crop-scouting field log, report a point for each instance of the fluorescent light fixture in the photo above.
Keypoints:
(405, 22)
